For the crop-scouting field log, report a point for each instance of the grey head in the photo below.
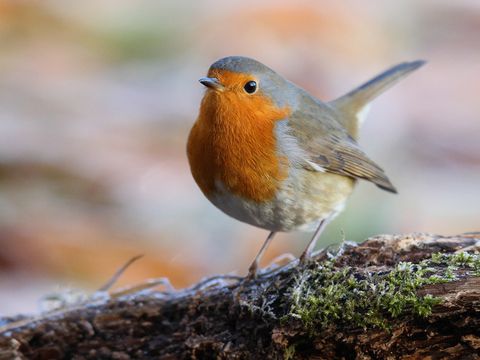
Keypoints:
(280, 90)
(242, 64)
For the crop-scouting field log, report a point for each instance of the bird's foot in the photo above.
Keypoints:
(279, 263)
(252, 272)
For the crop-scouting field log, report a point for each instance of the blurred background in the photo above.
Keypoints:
(97, 99)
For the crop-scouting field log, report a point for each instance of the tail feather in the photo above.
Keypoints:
(350, 105)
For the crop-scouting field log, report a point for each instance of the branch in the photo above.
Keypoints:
(408, 296)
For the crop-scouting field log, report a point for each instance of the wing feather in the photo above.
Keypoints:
(328, 145)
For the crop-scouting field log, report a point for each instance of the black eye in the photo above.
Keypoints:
(250, 87)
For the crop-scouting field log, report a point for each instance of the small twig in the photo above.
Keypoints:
(148, 284)
(108, 285)
(202, 284)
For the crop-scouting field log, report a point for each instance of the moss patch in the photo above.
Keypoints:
(461, 260)
(327, 294)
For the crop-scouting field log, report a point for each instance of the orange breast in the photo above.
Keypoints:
(233, 141)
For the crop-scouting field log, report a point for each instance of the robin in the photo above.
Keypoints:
(268, 153)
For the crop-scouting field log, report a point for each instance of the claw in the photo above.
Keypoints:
(252, 271)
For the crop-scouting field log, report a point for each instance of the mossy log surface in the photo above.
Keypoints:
(410, 296)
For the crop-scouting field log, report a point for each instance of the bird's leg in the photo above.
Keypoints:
(252, 270)
(311, 245)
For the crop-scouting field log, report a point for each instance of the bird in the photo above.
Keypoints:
(266, 152)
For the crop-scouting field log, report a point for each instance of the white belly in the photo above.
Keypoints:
(303, 199)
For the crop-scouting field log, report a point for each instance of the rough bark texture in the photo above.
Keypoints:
(239, 319)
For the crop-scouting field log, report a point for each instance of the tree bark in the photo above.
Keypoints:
(285, 313)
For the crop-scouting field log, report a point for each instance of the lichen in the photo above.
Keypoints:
(329, 294)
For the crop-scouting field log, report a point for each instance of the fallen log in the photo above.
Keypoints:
(410, 296)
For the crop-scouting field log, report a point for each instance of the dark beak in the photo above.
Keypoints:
(211, 83)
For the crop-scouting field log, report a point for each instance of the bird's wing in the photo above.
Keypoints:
(329, 147)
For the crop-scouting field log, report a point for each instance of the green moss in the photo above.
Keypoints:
(458, 260)
(329, 294)
(289, 352)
